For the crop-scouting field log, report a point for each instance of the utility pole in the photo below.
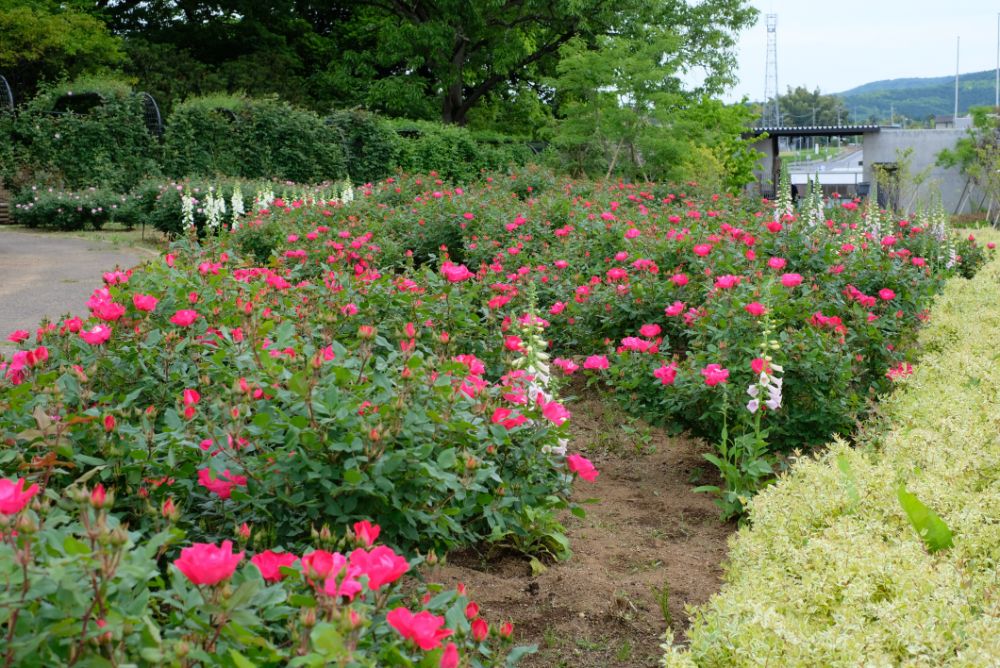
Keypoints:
(958, 41)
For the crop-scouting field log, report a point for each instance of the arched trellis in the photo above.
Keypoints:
(77, 103)
(83, 103)
(151, 114)
(228, 114)
(6, 96)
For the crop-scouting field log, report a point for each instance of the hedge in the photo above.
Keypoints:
(250, 138)
(106, 145)
(829, 571)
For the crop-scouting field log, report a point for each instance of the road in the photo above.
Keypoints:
(846, 160)
(49, 275)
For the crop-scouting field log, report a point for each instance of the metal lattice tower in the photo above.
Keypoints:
(772, 112)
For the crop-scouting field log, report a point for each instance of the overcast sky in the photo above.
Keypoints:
(837, 45)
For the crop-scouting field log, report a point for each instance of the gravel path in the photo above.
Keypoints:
(48, 275)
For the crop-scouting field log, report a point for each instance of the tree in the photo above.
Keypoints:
(978, 156)
(800, 107)
(623, 108)
(43, 40)
(428, 59)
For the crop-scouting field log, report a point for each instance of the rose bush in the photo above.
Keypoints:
(78, 588)
(835, 300)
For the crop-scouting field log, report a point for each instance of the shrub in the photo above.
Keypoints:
(454, 153)
(370, 146)
(602, 263)
(253, 138)
(325, 403)
(74, 210)
(857, 584)
(97, 138)
(78, 588)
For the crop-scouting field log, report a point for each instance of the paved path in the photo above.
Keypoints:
(50, 275)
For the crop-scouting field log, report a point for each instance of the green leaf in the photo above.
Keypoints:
(326, 640)
(353, 476)
(75, 546)
(241, 661)
(447, 459)
(850, 482)
(519, 653)
(931, 528)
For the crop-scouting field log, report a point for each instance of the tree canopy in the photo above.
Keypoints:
(802, 107)
(458, 61)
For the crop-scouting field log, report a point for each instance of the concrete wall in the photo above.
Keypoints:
(886, 146)
(764, 167)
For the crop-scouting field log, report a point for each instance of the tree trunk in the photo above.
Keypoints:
(453, 109)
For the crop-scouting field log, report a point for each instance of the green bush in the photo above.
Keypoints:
(250, 138)
(97, 138)
(370, 145)
(454, 153)
(829, 570)
(74, 210)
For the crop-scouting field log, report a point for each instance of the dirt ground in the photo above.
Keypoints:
(648, 548)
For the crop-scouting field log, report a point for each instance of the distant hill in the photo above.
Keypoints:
(919, 99)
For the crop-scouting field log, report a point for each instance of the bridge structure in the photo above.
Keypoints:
(769, 140)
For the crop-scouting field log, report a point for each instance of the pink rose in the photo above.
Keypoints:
(582, 466)
(366, 532)
(423, 628)
(13, 496)
(221, 485)
(791, 280)
(207, 564)
(269, 563)
(667, 373)
(96, 335)
(184, 317)
(144, 302)
(382, 565)
(714, 374)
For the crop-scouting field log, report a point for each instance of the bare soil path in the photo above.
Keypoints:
(646, 550)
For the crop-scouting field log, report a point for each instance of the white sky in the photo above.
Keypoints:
(839, 44)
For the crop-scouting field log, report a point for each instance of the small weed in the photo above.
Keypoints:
(624, 652)
(662, 597)
(550, 637)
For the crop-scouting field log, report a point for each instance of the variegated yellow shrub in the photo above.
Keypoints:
(831, 573)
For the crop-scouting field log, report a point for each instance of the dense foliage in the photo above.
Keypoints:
(862, 579)
(644, 74)
(84, 134)
(79, 588)
(250, 138)
(654, 288)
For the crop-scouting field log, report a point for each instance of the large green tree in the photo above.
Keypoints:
(802, 107)
(632, 103)
(451, 60)
(44, 40)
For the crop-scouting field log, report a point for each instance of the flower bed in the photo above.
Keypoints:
(686, 307)
(832, 572)
(80, 589)
(387, 360)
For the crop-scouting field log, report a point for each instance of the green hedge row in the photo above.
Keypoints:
(92, 134)
(830, 570)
